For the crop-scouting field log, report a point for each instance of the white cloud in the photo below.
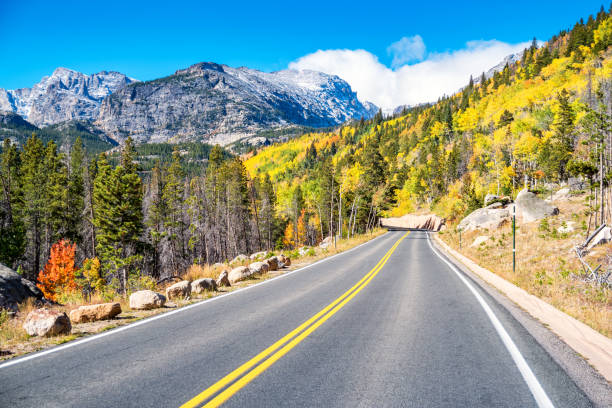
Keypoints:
(406, 50)
(439, 74)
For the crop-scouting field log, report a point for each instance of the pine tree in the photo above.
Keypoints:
(76, 194)
(12, 233)
(118, 215)
(173, 196)
(34, 199)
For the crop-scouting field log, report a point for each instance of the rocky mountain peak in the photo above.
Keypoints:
(64, 95)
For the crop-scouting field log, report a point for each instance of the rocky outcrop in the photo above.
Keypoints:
(14, 289)
(92, 313)
(180, 289)
(490, 217)
(202, 285)
(239, 274)
(65, 95)
(220, 104)
(429, 222)
(223, 280)
(46, 322)
(146, 300)
(531, 208)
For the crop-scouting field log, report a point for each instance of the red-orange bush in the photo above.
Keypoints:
(58, 274)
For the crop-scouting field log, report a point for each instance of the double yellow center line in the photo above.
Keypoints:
(277, 350)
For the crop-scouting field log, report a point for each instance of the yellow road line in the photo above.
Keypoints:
(326, 313)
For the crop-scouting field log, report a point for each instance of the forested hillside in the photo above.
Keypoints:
(542, 119)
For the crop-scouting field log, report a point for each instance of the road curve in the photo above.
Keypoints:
(409, 332)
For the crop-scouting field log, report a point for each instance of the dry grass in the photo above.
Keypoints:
(545, 262)
(202, 271)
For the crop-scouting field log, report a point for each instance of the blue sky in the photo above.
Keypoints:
(151, 39)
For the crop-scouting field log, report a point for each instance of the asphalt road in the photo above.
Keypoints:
(412, 335)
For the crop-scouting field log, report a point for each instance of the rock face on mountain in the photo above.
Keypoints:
(219, 104)
(65, 95)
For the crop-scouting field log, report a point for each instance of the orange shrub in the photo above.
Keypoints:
(58, 274)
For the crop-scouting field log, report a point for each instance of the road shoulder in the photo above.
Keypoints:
(581, 351)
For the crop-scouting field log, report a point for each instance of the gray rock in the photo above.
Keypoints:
(180, 289)
(92, 313)
(14, 289)
(259, 268)
(223, 280)
(531, 208)
(485, 218)
(239, 274)
(146, 300)
(272, 263)
(201, 285)
(46, 322)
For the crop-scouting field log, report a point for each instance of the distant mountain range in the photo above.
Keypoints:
(206, 102)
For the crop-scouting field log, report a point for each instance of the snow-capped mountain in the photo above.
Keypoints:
(508, 60)
(220, 104)
(62, 96)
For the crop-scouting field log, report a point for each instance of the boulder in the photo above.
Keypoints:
(239, 259)
(259, 267)
(576, 184)
(326, 242)
(92, 313)
(561, 195)
(429, 222)
(603, 236)
(201, 285)
(14, 289)
(531, 208)
(223, 280)
(259, 255)
(485, 218)
(239, 274)
(146, 299)
(180, 289)
(272, 263)
(479, 240)
(46, 322)
(283, 261)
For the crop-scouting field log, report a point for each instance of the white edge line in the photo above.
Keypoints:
(532, 382)
(87, 339)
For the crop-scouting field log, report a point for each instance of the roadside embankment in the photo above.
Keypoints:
(593, 346)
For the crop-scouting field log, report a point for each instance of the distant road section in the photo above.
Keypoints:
(390, 324)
